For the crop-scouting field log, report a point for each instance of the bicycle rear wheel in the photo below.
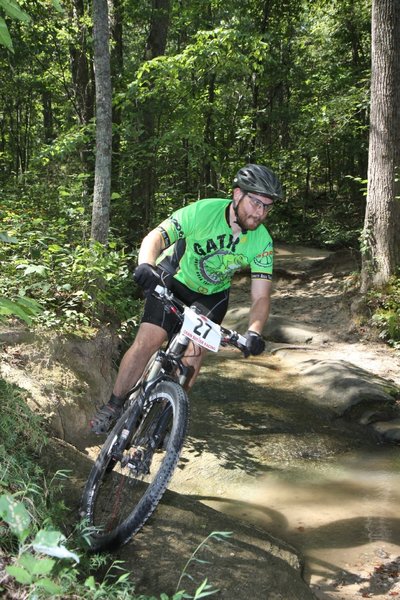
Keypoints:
(134, 466)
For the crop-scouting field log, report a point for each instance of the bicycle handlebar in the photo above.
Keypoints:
(228, 336)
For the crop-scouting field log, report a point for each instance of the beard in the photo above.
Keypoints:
(246, 221)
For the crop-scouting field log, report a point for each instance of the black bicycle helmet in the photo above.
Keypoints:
(258, 179)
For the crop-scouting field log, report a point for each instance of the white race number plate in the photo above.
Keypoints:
(201, 330)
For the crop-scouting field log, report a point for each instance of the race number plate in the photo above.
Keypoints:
(201, 330)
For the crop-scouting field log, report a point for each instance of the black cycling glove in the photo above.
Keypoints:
(255, 343)
(147, 277)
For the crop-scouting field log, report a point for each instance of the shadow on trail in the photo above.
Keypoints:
(342, 533)
(379, 582)
(245, 565)
(248, 417)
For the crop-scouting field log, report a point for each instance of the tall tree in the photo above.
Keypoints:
(102, 177)
(117, 64)
(80, 63)
(381, 235)
(144, 184)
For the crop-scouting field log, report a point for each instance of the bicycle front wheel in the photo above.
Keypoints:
(135, 466)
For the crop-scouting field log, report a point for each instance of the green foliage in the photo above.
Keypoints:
(40, 563)
(23, 437)
(77, 284)
(36, 573)
(205, 589)
(385, 305)
(16, 516)
(288, 88)
(12, 10)
(22, 434)
(23, 308)
(321, 221)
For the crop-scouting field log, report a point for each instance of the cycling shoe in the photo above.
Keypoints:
(105, 418)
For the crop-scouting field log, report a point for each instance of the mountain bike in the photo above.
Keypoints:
(139, 456)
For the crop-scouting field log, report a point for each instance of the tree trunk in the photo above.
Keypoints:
(117, 66)
(47, 117)
(209, 175)
(82, 83)
(381, 235)
(144, 178)
(80, 67)
(102, 177)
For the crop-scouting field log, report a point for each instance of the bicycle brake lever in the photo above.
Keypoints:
(245, 352)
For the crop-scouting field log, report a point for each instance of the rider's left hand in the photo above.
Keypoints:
(255, 343)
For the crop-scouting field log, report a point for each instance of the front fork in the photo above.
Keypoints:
(176, 353)
(171, 362)
(173, 365)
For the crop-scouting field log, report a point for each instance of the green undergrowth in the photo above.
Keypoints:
(384, 304)
(38, 558)
(47, 257)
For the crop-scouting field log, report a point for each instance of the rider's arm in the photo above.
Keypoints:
(260, 304)
(152, 246)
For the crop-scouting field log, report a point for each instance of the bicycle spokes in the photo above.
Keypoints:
(129, 473)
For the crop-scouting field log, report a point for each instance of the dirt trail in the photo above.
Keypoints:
(343, 512)
(264, 452)
(277, 449)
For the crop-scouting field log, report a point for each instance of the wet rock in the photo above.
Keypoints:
(388, 430)
(347, 389)
(249, 564)
(280, 329)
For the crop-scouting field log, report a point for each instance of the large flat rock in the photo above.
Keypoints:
(249, 565)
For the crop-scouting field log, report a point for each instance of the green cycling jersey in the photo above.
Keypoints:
(202, 251)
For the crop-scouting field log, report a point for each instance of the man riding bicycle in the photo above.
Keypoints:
(196, 251)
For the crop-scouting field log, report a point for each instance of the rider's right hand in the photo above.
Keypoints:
(147, 277)
(254, 343)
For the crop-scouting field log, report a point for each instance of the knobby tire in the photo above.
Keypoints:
(117, 500)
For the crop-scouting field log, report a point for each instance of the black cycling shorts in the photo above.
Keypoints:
(213, 306)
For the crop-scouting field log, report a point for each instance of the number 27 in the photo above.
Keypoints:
(198, 329)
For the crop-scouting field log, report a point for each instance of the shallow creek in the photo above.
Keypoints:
(261, 451)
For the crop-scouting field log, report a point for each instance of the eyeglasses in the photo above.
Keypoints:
(257, 203)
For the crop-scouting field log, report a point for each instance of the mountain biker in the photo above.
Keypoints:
(196, 251)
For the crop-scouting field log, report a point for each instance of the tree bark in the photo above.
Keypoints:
(82, 82)
(80, 67)
(117, 67)
(381, 235)
(102, 177)
(47, 117)
(209, 174)
(145, 176)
